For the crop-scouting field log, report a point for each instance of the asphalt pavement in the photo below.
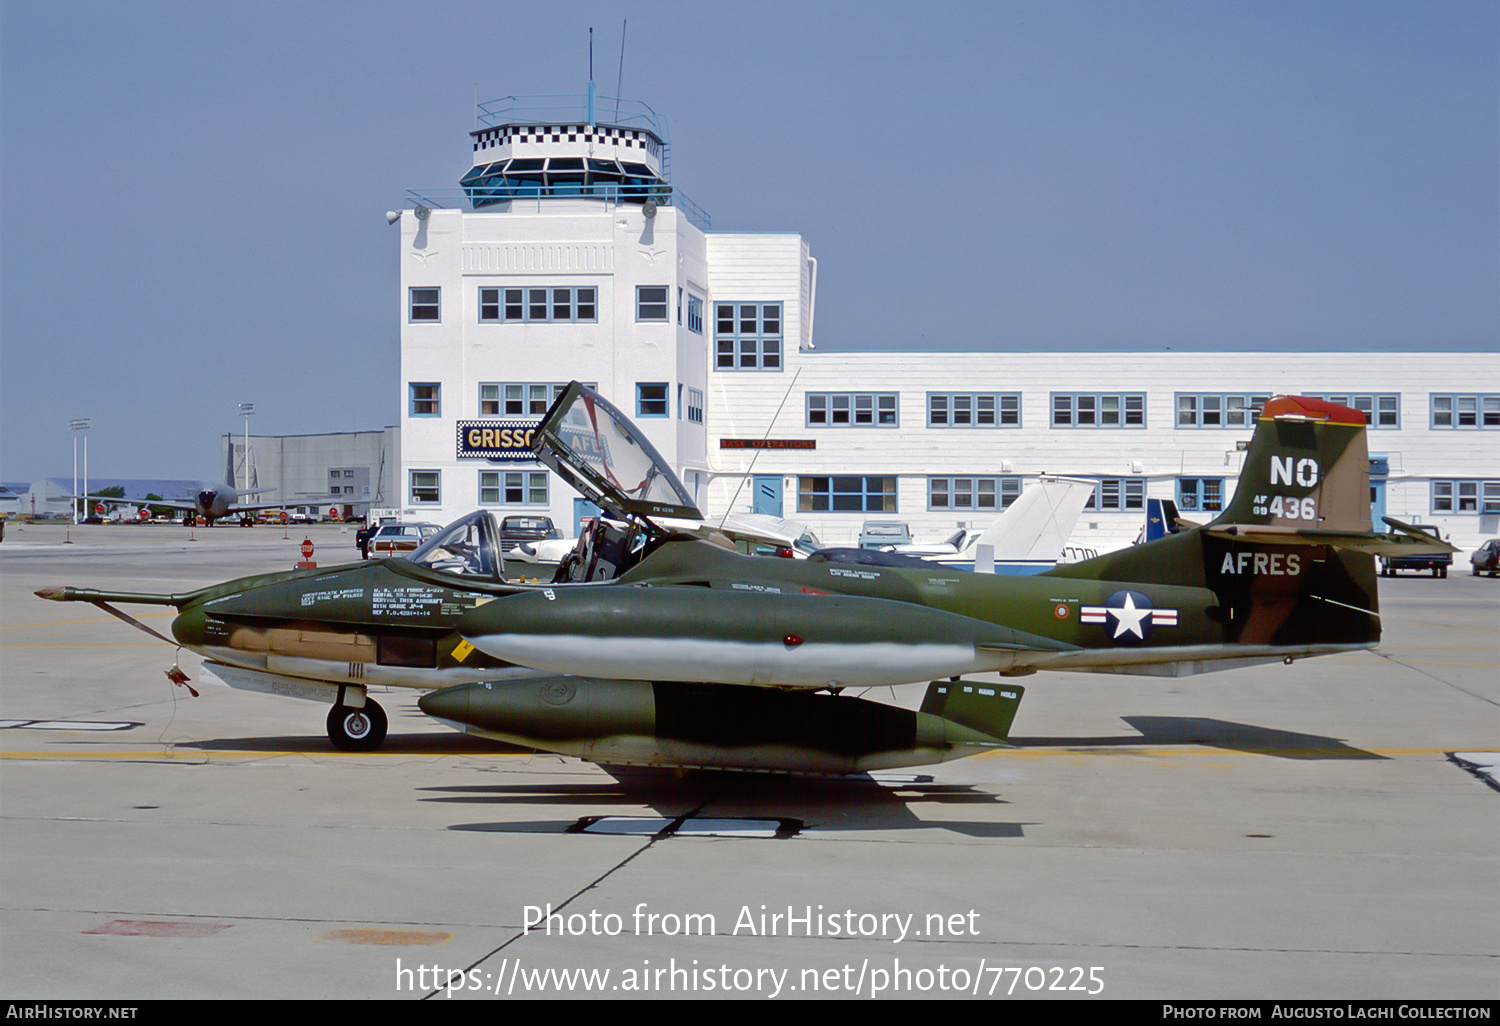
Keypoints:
(1305, 831)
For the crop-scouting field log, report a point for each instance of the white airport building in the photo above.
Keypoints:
(566, 252)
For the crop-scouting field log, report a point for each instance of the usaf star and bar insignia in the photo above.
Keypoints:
(1132, 615)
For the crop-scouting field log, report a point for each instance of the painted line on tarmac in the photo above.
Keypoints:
(186, 755)
(69, 623)
(92, 644)
(388, 938)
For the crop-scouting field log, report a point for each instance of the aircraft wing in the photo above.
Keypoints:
(296, 500)
(250, 507)
(185, 504)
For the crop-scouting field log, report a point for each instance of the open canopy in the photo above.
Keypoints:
(470, 546)
(594, 447)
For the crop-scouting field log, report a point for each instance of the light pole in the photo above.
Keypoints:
(247, 410)
(75, 426)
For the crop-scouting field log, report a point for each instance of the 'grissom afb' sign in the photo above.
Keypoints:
(496, 439)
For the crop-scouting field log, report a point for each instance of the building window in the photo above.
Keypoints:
(424, 306)
(1110, 410)
(512, 488)
(425, 399)
(1466, 411)
(1466, 496)
(694, 406)
(651, 303)
(695, 314)
(1113, 494)
(426, 486)
(1204, 494)
(852, 409)
(489, 305)
(1381, 411)
(846, 494)
(1213, 410)
(747, 336)
(651, 399)
(975, 493)
(518, 399)
(981, 409)
(538, 304)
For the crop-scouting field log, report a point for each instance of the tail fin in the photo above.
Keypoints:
(1307, 468)
(987, 708)
(1035, 527)
(1306, 480)
(1161, 519)
(1288, 559)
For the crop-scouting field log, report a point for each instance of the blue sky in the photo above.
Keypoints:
(193, 193)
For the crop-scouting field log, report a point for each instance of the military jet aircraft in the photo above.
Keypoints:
(662, 647)
(215, 502)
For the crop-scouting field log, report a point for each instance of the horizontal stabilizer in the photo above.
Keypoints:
(987, 708)
(1410, 541)
(1416, 536)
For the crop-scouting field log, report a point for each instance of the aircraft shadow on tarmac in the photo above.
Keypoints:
(1200, 730)
(794, 803)
(799, 802)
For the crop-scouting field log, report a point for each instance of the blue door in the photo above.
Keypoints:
(582, 508)
(768, 495)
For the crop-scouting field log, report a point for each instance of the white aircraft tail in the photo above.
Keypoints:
(1034, 528)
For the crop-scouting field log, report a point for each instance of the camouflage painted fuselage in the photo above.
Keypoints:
(384, 622)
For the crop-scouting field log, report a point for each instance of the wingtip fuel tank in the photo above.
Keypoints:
(718, 726)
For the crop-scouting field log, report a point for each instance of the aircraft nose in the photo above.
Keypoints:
(189, 628)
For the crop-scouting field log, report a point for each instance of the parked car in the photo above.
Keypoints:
(373, 519)
(1438, 562)
(879, 533)
(1486, 558)
(399, 539)
(515, 530)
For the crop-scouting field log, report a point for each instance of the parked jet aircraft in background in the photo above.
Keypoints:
(1026, 538)
(692, 654)
(214, 503)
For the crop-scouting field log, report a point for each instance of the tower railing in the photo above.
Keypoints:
(554, 108)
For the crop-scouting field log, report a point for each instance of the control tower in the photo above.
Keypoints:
(566, 252)
(577, 151)
(556, 148)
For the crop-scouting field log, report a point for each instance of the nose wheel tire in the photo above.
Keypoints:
(357, 730)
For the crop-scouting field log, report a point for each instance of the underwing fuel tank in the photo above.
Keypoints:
(740, 637)
(719, 726)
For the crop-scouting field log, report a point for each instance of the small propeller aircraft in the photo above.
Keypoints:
(664, 646)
